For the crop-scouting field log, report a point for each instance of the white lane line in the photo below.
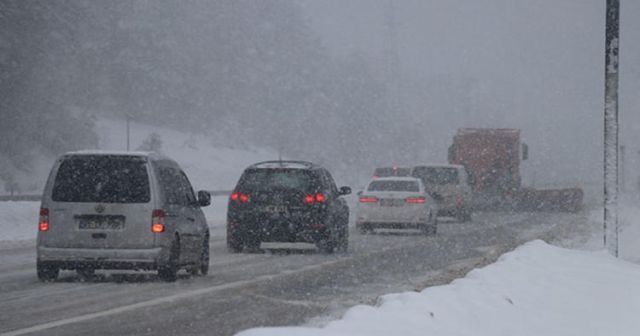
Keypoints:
(166, 299)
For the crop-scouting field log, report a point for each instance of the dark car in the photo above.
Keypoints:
(287, 201)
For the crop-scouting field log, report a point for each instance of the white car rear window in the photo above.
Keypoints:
(410, 186)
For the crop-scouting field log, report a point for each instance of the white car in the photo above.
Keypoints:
(396, 203)
(450, 185)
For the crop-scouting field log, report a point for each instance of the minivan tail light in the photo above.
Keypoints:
(416, 200)
(43, 224)
(157, 221)
(368, 199)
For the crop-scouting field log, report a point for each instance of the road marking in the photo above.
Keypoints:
(166, 299)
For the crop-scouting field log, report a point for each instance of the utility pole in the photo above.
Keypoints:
(612, 44)
(392, 58)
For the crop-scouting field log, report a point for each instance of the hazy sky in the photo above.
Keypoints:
(534, 65)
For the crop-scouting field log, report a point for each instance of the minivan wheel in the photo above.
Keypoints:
(169, 271)
(47, 272)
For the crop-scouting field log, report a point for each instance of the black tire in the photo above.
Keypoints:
(47, 272)
(204, 257)
(169, 271)
(252, 243)
(202, 266)
(463, 216)
(364, 229)
(86, 273)
(430, 228)
(327, 246)
(342, 245)
(234, 243)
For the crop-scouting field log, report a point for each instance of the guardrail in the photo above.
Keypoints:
(20, 198)
(37, 197)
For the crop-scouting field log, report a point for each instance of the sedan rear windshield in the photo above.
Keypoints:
(102, 179)
(406, 186)
(264, 179)
(392, 171)
(436, 175)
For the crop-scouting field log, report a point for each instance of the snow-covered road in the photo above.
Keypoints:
(250, 290)
(538, 289)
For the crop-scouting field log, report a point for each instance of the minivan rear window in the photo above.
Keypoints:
(405, 186)
(102, 179)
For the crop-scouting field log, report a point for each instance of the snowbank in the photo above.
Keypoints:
(18, 221)
(537, 289)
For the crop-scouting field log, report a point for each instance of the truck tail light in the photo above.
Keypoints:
(157, 221)
(43, 224)
(416, 200)
(368, 199)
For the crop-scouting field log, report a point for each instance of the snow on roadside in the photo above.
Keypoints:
(537, 289)
(18, 221)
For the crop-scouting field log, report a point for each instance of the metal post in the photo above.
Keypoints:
(611, 119)
(128, 120)
(623, 177)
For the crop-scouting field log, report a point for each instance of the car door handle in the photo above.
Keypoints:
(191, 219)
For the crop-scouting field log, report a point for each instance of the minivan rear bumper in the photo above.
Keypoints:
(71, 258)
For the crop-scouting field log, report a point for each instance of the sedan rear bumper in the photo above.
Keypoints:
(368, 225)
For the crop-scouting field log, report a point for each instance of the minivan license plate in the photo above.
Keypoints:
(100, 222)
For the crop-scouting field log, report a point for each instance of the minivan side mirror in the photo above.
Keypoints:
(344, 191)
(204, 198)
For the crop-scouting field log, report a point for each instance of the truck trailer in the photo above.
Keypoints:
(492, 158)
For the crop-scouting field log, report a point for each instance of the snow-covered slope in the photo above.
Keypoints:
(208, 165)
(538, 289)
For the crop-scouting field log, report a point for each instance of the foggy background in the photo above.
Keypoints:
(349, 84)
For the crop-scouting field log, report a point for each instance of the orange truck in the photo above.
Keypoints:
(492, 157)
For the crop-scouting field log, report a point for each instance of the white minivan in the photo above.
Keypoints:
(121, 210)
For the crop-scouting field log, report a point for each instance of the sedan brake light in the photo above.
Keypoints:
(368, 199)
(240, 197)
(416, 200)
(315, 198)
